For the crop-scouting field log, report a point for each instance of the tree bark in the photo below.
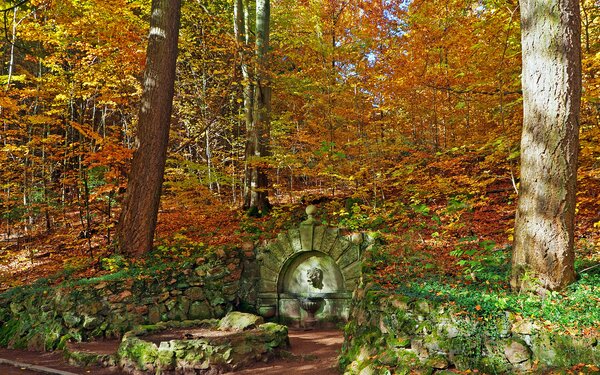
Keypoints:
(543, 255)
(138, 218)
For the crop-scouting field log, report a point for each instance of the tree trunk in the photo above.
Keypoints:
(257, 146)
(543, 248)
(138, 218)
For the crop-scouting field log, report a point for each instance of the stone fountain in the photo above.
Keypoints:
(307, 275)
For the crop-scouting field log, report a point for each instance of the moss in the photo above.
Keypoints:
(140, 352)
(83, 359)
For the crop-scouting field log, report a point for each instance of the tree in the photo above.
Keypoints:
(138, 218)
(258, 133)
(551, 80)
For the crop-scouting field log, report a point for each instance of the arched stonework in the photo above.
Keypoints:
(312, 248)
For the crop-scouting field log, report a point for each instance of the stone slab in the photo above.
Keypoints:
(295, 242)
(353, 270)
(329, 238)
(306, 236)
(339, 247)
(350, 256)
(319, 231)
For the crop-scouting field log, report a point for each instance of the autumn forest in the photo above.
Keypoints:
(399, 118)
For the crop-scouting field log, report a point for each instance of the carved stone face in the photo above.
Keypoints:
(314, 276)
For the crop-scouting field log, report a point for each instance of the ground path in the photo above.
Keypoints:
(312, 352)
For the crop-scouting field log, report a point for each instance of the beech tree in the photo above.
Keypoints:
(543, 254)
(138, 219)
(257, 107)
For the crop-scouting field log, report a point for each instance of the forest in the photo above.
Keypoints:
(410, 121)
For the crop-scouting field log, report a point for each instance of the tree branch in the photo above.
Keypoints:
(461, 91)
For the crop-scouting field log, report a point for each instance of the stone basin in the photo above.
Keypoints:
(203, 346)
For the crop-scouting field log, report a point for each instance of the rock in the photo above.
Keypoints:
(90, 322)
(368, 370)
(448, 329)
(124, 294)
(165, 357)
(400, 302)
(170, 304)
(437, 362)
(407, 358)
(15, 308)
(153, 314)
(524, 327)
(180, 310)
(399, 342)
(238, 321)
(199, 310)
(101, 285)
(141, 310)
(194, 293)
(71, 320)
(163, 296)
(200, 272)
(418, 348)
(423, 307)
(516, 351)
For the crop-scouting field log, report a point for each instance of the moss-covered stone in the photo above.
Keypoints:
(238, 321)
(137, 353)
(505, 344)
(211, 353)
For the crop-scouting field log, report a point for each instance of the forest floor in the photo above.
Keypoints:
(426, 207)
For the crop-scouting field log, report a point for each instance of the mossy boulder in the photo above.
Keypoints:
(239, 321)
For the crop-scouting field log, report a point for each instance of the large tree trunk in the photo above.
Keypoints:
(257, 145)
(138, 218)
(543, 248)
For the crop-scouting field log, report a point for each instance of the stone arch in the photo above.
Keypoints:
(339, 254)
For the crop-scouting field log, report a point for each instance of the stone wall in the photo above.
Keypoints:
(399, 334)
(45, 317)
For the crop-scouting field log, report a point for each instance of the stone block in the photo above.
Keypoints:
(269, 261)
(348, 257)
(154, 314)
(194, 293)
(268, 274)
(275, 252)
(329, 238)
(352, 271)
(199, 310)
(318, 233)
(352, 284)
(267, 286)
(295, 242)
(516, 351)
(339, 247)
(284, 242)
(306, 236)
(525, 327)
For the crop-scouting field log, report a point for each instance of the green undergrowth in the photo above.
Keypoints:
(487, 293)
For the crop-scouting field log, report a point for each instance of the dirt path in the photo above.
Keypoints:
(313, 352)
(53, 362)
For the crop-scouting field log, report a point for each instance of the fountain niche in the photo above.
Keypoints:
(307, 275)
